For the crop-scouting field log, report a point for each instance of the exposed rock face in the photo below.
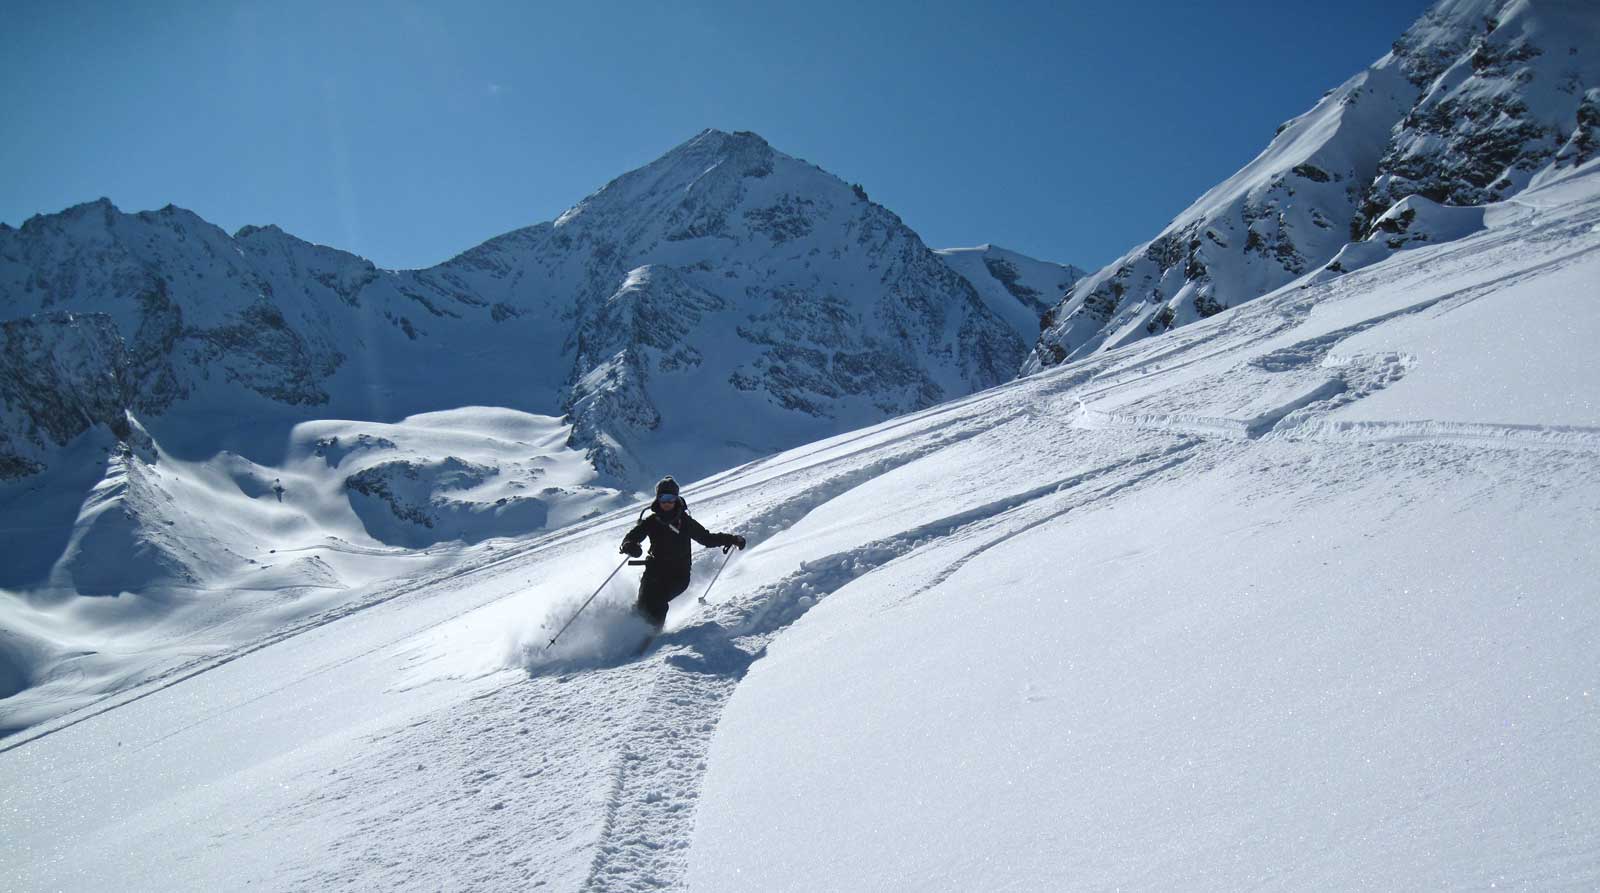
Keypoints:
(725, 295)
(417, 503)
(1018, 288)
(731, 274)
(1477, 100)
(1496, 113)
(60, 375)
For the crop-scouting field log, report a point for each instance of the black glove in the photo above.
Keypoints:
(736, 541)
(631, 549)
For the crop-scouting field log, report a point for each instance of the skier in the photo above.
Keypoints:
(669, 527)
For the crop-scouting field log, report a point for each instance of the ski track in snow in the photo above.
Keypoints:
(649, 818)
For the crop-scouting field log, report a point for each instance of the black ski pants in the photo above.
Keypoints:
(660, 584)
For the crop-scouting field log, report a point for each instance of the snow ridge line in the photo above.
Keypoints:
(649, 821)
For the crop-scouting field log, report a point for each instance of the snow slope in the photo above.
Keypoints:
(1299, 596)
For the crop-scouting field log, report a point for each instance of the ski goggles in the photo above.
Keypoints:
(667, 497)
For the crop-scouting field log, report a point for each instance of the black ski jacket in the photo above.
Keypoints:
(669, 539)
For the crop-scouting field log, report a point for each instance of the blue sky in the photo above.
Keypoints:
(407, 132)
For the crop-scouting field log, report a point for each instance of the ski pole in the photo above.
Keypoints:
(726, 550)
(585, 604)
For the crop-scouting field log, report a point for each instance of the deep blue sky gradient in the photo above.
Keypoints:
(408, 132)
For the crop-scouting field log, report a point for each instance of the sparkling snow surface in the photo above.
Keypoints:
(1300, 596)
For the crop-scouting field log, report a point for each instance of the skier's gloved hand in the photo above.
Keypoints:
(737, 541)
(631, 549)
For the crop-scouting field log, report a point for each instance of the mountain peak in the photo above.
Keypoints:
(698, 179)
(101, 206)
(725, 139)
(102, 214)
(754, 153)
(250, 229)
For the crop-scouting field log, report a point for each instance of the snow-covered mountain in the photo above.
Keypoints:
(1017, 288)
(1476, 102)
(726, 289)
(1301, 596)
(719, 304)
(734, 300)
